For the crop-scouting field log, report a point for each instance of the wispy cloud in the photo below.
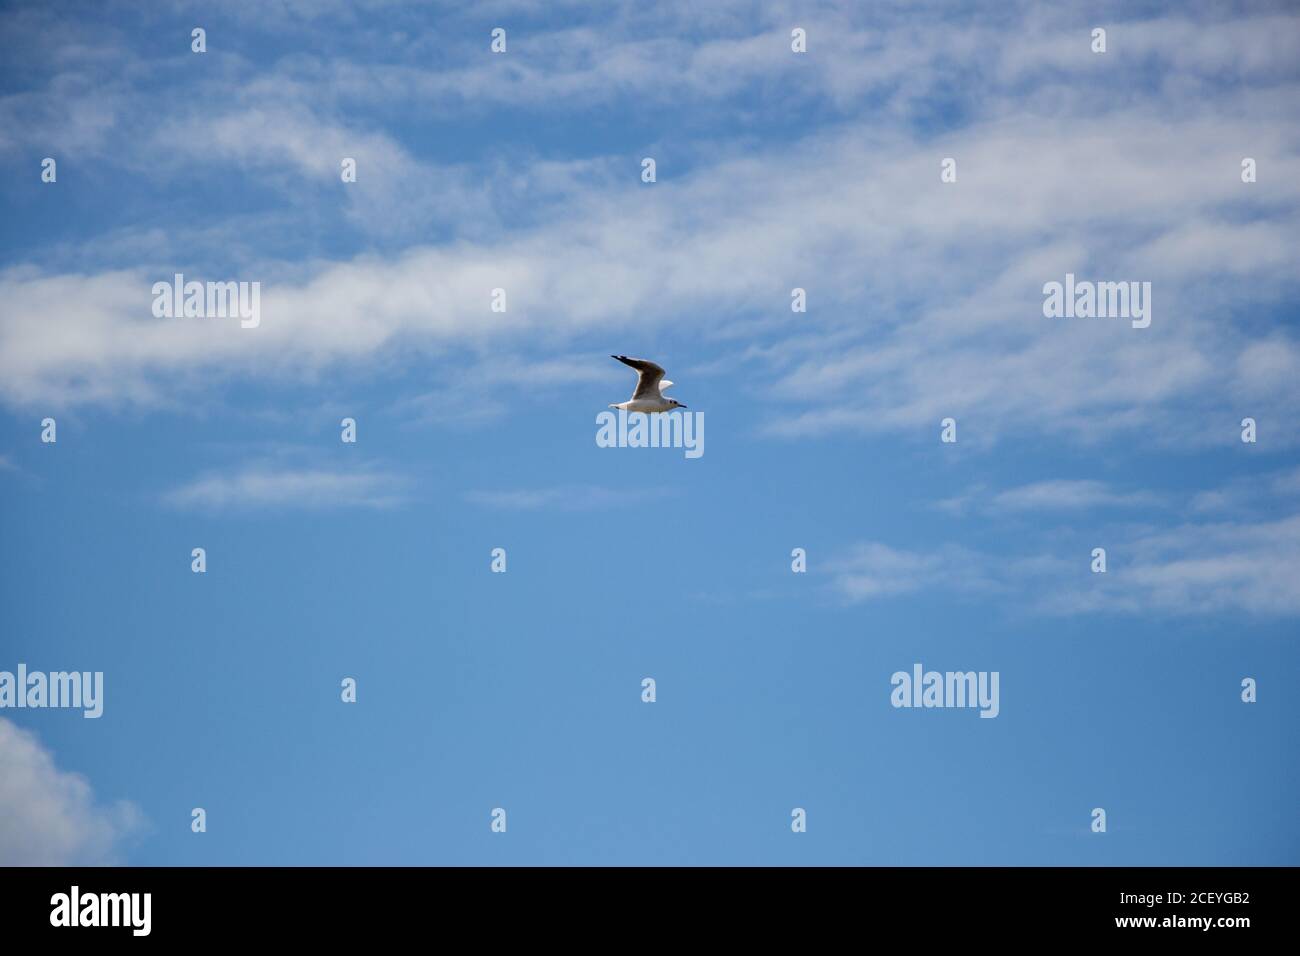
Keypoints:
(563, 498)
(1052, 495)
(276, 486)
(484, 388)
(873, 570)
(1249, 567)
(1266, 489)
(50, 817)
(890, 344)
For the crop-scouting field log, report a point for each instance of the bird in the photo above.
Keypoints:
(649, 396)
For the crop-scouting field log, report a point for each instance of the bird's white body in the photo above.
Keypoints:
(649, 396)
(647, 405)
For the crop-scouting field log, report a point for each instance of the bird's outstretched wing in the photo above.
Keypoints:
(647, 383)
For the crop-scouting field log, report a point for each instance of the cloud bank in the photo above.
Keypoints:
(50, 817)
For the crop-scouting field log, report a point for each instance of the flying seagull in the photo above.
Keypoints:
(650, 384)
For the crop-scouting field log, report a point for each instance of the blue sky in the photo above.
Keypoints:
(476, 430)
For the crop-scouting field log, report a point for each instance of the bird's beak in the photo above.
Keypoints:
(680, 405)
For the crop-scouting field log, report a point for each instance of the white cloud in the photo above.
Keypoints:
(1201, 568)
(48, 816)
(1053, 495)
(485, 387)
(730, 240)
(562, 498)
(925, 299)
(1194, 568)
(874, 570)
(1260, 492)
(1061, 494)
(697, 59)
(270, 486)
(395, 194)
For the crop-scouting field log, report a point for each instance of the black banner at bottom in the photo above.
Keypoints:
(374, 904)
